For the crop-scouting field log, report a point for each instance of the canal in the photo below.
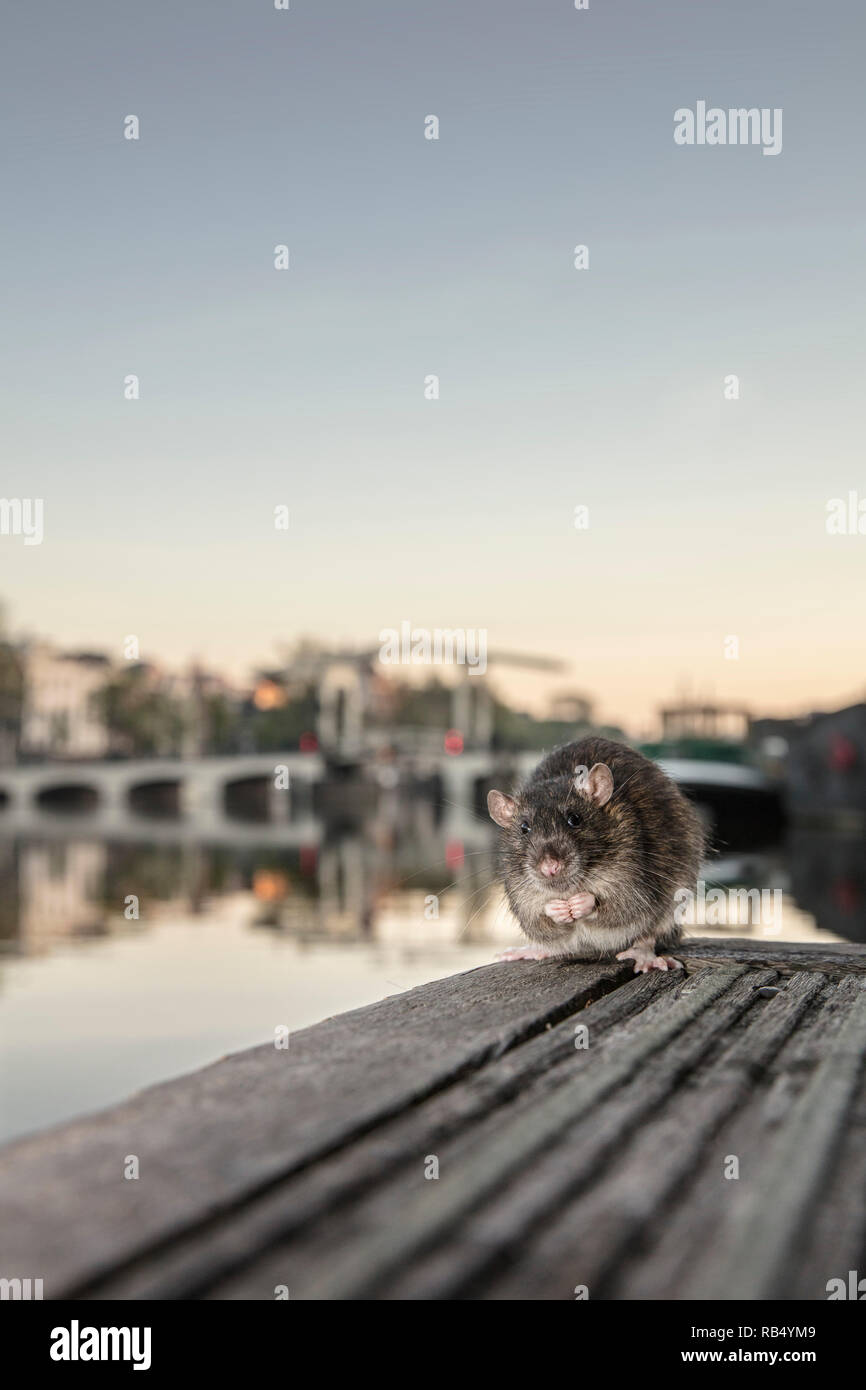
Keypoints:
(127, 961)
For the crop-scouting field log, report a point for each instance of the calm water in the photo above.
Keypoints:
(233, 941)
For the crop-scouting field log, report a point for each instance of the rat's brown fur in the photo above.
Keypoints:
(633, 853)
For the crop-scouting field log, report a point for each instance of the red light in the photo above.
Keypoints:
(308, 743)
(843, 754)
(308, 859)
(454, 855)
(846, 895)
(453, 742)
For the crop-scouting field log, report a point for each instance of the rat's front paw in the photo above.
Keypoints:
(581, 905)
(559, 910)
(565, 910)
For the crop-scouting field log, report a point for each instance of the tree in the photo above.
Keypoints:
(143, 720)
(11, 700)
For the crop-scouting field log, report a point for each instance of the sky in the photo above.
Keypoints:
(559, 388)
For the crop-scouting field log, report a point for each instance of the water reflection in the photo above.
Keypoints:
(436, 883)
(127, 960)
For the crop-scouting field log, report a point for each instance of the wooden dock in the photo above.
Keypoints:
(586, 1124)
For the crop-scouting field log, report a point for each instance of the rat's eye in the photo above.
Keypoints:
(573, 819)
(524, 827)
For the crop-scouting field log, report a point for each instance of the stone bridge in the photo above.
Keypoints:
(176, 796)
(194, 789)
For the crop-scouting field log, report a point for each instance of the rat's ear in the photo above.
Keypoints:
(597, 783)
(501, 808)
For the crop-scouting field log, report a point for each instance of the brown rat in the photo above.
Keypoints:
(596, 844)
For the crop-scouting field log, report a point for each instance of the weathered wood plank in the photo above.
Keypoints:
(214, 1250)
(767, 1216)
(785, 956)
(592, 1201)
(835, 1241)
(558, 1165)
(672, 1261)
(597, 1234)
(208, 1141)
(419, 1220)
(620, 1204)
(445, 1125)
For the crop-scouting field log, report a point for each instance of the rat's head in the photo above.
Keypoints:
(558, 831)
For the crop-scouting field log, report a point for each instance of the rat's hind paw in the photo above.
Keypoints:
(647, 960)
(524, 953)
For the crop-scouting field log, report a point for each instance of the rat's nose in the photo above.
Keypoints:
(549, 866)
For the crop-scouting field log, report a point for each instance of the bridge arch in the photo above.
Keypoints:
(67, 798)
(158, 799)
(249, 797)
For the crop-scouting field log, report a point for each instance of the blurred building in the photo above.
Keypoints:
(60, 893)
(692, 721)
(61, 714)
(572, 707)
(826, 761)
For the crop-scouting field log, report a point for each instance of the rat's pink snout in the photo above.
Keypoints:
(549, 866)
